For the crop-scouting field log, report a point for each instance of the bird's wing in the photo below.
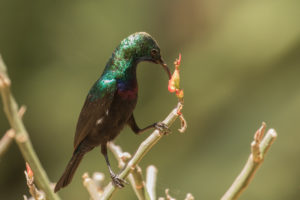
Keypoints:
(95, 107)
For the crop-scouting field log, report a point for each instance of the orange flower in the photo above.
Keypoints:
(174, 85)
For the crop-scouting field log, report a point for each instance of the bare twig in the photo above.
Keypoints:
(36, 194)
(142, 150)
(22, 137)
(151, 181)
(6, 141)
(259, 147)
(8, 137)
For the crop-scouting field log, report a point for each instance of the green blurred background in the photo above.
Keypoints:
(240, 66)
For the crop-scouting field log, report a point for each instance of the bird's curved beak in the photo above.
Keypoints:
(165, 66)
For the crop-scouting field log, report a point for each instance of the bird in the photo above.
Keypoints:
(110, 103)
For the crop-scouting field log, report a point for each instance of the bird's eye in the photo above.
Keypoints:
(154, 52)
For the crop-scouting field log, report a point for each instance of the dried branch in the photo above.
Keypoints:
(259, 148)
(22, 137)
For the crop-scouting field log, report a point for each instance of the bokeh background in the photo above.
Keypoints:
(240, 66)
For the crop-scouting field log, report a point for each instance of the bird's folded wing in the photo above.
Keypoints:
(95, 107)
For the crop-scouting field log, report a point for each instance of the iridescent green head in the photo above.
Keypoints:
(141, 47)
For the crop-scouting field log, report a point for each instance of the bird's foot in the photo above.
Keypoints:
(163, 128)
(118, 182)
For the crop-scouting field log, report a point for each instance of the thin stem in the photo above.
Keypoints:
(137, 182)
(145, 146)
(259, 148)
(151, 181)
(22, 137)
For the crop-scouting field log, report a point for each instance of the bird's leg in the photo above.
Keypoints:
(158, 125)
(115, 179)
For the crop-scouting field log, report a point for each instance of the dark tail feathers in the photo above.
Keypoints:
(68, 174)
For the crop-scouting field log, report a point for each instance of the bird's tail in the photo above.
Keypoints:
(68, 174)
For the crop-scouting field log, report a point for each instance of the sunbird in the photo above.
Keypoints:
(110, 103)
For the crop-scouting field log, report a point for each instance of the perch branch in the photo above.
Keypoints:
(144, 147)
(259, 148)
(22, 137)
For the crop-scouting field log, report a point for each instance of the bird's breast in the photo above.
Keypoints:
(127, 91)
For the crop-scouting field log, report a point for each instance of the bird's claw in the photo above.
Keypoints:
(118, 182)
(163, 128)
